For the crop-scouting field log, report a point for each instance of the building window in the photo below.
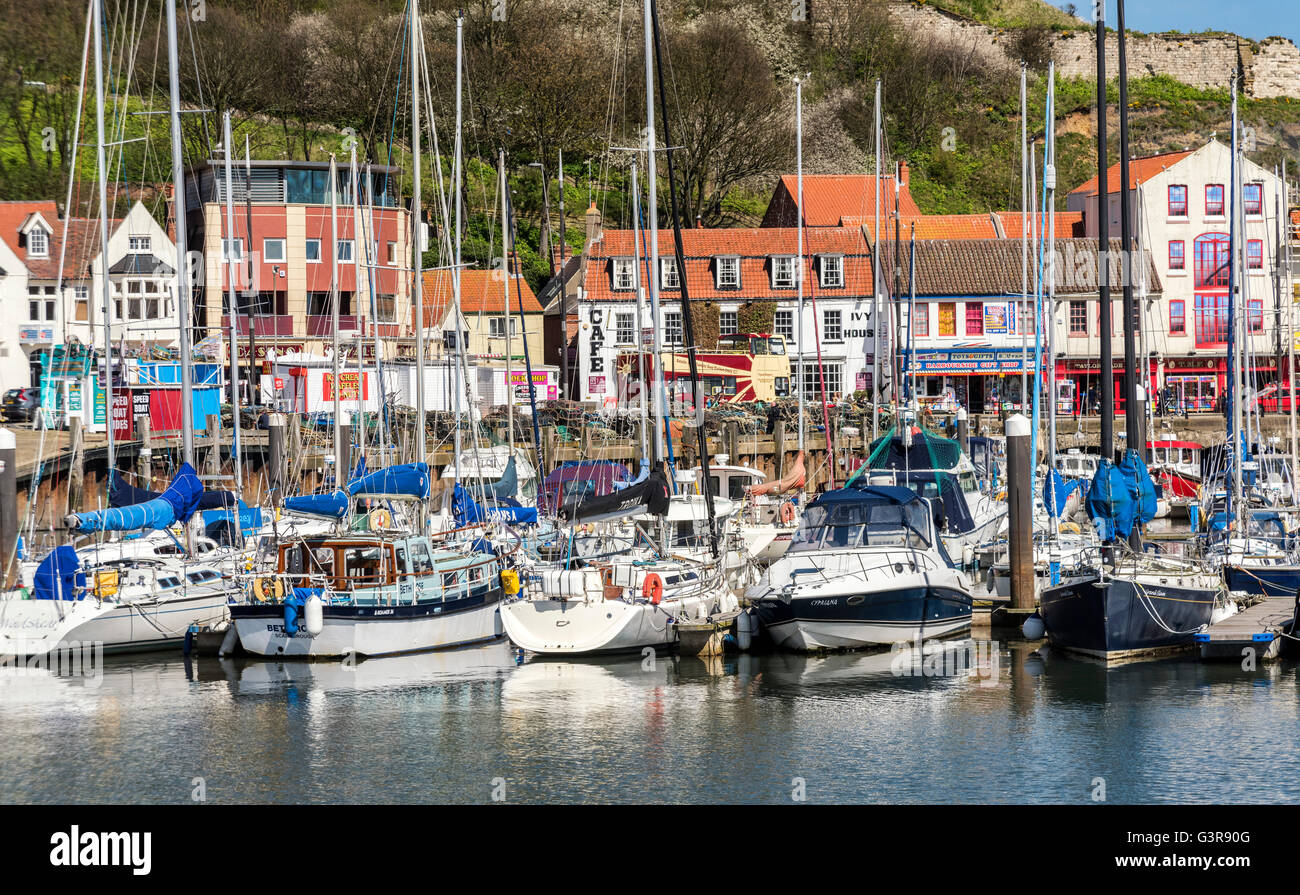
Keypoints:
(1028, 316)
(497, 327)
(81, 303)
(273, 250)
(921, 319)
(1211, 320)
(624, 274)
(386, 308)
(728, 322)
(1212, 256)
(832, 326)
(783, 271)
(1079, 318)
(668, 278)
(1177, 318)
(812, 380)
(1177, 254)
(313, 251)
(832, 271)
(235, 254)
(1214, 200)
(947, 318)
(673, 327)
(343, 253)
(783, 325)
(728, 273)
(1255, 254)
(1252, 196)
(38, 243)
(974, 318)
(1178, 201)
(392, 253)
(1255, 315)
(139, 244)
(624, 328)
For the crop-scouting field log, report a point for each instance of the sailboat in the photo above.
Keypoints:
(1133, 603)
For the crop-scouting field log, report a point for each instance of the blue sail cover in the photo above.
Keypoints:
(333, 505)
(402, 480)
(468, 512)
(1140, 486)
(59, 575)
(121, 494)
(1056, 492)
(640, 476)
(176, 504)
(1110, 502)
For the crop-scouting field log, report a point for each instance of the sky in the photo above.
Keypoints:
(1255, 19)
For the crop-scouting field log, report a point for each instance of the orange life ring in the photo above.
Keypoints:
(787, 512)
(653, 588)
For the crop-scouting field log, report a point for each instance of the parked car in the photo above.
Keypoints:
(19, 404)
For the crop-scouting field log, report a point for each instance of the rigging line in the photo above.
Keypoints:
(198, 80)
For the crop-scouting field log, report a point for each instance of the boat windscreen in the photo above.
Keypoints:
(848, 525)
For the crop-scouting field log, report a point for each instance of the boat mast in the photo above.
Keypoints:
(106, 286)
(334, 320)
(798, 223)
(360, 239)
(417, 231)
(233, 303)
(652, 231)
(1024, 231)
(182, 252)
(456, 175)
(505, 296)
(1132, 413)
(1284, 252)
(687, 323)
(640, 312)
(1048, 321)
(875, 284)
(1234, 405)
(1106, 447)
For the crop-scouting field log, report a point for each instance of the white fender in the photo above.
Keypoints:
(313, 615)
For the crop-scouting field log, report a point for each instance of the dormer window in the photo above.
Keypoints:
(728, 272)
(668, 278)
(832, 271)
(38, 243)
(783, 272)
(624, 274)
(139, 244)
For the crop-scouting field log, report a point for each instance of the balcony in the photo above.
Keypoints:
(322, 324)
(263, 324)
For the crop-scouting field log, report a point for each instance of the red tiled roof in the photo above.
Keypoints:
(12, 216)
(480, 291)
(1068, 223)
(936, 226)
(830, 198)
(1140, 170)
(755, 246)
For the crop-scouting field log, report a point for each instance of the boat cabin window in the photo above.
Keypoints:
(363, 566)
(421, 561)
(293, 559)
(736, 485)
(169, 581)
(848, 525)
(321, 562)
(201, 575)
(402, 566)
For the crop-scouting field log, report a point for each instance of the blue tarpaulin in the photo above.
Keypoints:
(1121, 496)
(1140, 486)
(402, 480)
(1057, 490)
(59, 575)
(176, 504)
(333, 505)
(468, 512)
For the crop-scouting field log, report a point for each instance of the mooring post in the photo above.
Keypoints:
(1020, 487)
(8, 502)
(275, 441)
(778, 447)
(963, 430)
(214, 444)
(144, 459)
(76, 467)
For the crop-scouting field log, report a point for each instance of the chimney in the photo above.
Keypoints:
(699, 223)
(593, 226)
(903, 174)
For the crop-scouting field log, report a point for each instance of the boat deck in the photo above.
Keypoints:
(1262, 627)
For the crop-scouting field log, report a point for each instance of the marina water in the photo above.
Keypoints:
(989, 721)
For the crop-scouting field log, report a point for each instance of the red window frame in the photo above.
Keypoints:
(921, 319)
(974, 318)
(1177, 259)
(1212, 257)
(1078, 322)
(1177, 317)
(1214, 208)
(1252, 197)
(1212, 322)
(1178, 206)
(1255, 254)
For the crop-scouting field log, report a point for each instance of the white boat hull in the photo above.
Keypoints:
(36, 627)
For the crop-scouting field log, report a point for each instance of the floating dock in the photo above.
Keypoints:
(1261, 626)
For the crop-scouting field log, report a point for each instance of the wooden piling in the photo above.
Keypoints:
(1020, 486)
(77, 466)
(8, 504)
(144, 459)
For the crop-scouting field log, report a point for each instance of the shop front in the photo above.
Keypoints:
(979, 379)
